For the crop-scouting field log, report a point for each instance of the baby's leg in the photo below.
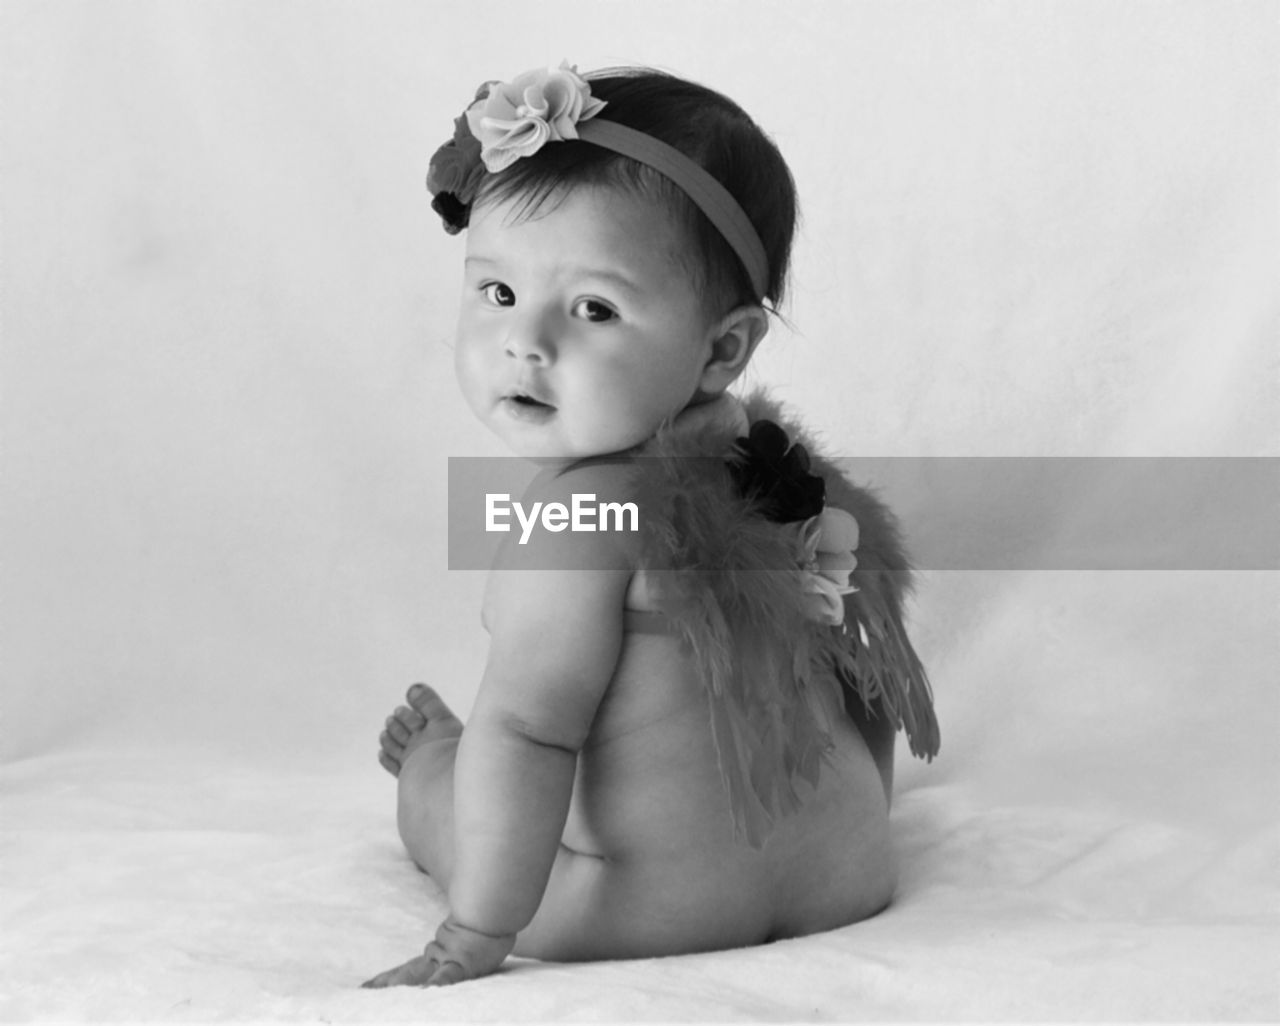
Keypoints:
(593, 907)
(419, 746)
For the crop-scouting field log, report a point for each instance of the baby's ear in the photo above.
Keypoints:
(733, 341)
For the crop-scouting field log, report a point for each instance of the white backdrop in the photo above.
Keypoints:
(1030, 229)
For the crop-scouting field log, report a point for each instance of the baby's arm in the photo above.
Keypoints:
(555, 638)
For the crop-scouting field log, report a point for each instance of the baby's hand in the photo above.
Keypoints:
(457, 954)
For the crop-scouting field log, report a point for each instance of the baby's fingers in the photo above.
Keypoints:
(449, 972)
(416, 972)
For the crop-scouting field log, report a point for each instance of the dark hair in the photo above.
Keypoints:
(710, 129)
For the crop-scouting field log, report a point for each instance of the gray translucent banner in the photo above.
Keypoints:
(957, 513)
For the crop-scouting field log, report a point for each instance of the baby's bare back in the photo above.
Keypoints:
(651, 864)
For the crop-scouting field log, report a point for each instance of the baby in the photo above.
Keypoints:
(683, 737)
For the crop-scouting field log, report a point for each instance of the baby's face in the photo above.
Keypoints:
(580, 328)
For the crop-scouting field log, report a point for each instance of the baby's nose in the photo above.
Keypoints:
(532, 338)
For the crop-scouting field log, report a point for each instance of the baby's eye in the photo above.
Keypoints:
(594, 310)
(499, 294)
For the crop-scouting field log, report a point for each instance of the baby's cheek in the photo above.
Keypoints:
(468, 370)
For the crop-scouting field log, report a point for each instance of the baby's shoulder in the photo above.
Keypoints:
(584, 487)
(614, 476)
(583, 516)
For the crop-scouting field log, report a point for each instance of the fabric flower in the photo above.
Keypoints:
(824, 602)
(455, 172)
(456, 166)
(455, 214)
(518, 117)
(826, 544)
(775, 473)
(837, 542)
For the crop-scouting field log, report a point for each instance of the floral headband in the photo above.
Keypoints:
(510, 120)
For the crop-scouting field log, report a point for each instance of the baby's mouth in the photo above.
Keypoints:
(525, 407)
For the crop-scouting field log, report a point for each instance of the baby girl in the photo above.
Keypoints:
(683, 737)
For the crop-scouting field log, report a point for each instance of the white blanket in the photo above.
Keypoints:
(1031, 230)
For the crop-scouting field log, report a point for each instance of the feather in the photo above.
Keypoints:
(728, 579)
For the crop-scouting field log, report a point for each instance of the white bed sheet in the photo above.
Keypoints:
(1061, 875)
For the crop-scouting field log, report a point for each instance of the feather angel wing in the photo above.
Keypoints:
(715, 563)
(875, 657)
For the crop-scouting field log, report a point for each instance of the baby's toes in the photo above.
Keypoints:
(403, 724)
(389, 762)
(391, 744)
(434, 708)
(391, 753)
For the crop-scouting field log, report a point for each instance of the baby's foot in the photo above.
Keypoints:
(426, 718)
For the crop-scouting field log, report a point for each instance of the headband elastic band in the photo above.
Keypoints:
(712, 198)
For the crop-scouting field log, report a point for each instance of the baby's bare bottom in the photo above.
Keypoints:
(593, 907)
